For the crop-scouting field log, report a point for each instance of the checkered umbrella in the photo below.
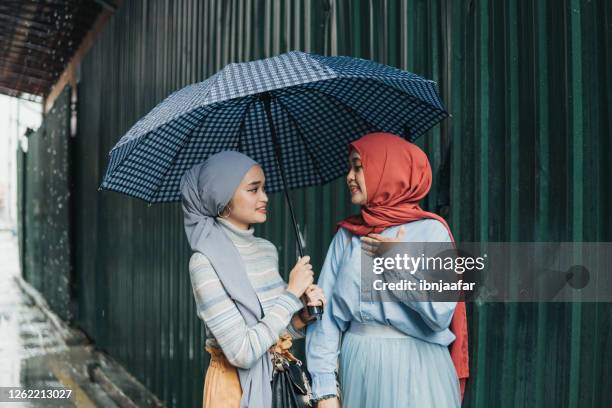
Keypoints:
(294, 114)
(297, 110)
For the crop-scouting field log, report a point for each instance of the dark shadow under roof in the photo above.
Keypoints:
(37, 40)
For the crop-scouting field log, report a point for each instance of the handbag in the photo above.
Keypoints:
(290, 382)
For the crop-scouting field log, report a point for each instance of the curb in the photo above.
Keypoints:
(72, 336)
(120, 385)
(124, 389)
(98, 376)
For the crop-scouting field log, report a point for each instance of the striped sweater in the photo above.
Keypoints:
(225, 326)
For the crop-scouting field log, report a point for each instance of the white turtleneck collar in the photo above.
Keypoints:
(237, 235)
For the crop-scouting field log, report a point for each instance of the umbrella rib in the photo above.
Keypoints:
(420, 104)
(301, 134)
(406, 95)
(389, 87)
(342, 104)
(242, 122)
(185, 143)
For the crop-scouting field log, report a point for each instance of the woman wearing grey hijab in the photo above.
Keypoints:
(245, 304)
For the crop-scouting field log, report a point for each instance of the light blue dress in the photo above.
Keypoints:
(389, 354)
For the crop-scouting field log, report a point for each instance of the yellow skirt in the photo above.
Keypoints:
(222, 385)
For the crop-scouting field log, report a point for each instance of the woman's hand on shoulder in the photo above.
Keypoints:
(374, 244)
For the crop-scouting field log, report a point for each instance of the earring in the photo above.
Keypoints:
(229, 210)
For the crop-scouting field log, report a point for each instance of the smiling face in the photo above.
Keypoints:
(249, 203)
(355, 179)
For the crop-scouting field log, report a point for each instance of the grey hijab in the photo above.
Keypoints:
(206, 189)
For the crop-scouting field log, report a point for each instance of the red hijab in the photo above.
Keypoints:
(397, 177)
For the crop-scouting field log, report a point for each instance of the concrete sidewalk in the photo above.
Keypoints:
(39, 351)
(34, 354)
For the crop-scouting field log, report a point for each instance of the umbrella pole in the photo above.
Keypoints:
(266, 98)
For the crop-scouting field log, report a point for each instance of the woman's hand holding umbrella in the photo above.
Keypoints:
(300, 277)
(314, 296)
(300, 284)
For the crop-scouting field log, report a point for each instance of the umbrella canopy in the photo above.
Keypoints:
(297, 108)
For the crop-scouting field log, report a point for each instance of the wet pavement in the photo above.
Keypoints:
(34, 353)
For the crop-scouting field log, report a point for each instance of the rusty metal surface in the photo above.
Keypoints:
(37, 40)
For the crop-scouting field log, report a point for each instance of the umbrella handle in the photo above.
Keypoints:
(316, 312)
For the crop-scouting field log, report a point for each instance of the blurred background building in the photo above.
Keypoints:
(17, 116)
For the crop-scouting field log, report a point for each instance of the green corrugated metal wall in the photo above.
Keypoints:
(525, 156)
(21, 162)
(45, 215)
(530, 162)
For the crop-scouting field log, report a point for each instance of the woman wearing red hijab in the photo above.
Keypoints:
(387, 354)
